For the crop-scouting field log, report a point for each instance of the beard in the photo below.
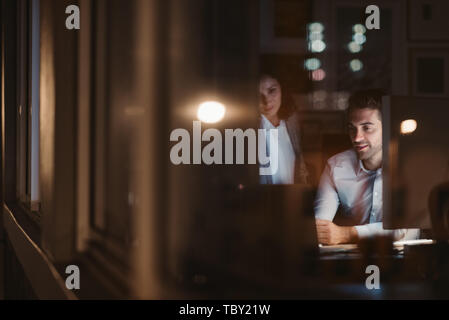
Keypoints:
(368, 152)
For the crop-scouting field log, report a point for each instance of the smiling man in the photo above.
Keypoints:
(352, 180)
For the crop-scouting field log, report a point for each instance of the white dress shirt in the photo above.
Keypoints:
(285, 173)
(358, 191)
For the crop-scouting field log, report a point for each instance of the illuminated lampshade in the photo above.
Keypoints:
(211, 111)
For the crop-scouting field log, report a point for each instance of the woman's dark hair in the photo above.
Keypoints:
(287, 103)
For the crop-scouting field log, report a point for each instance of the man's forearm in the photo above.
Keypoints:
(376, 229)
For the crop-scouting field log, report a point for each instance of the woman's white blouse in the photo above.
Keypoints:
(285, 173)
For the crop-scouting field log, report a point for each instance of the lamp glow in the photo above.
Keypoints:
(211, 111)
(408, 126)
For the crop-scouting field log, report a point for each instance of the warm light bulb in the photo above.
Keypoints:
(211, 111)
(408, 126)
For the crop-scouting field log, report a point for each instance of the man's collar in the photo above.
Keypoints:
(359, 168)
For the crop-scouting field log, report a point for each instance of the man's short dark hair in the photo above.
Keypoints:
(371, 99)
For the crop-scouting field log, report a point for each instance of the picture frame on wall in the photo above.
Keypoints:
(282, 26)
(429, 72)
(427, 21)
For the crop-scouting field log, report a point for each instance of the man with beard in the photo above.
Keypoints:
(352, 180)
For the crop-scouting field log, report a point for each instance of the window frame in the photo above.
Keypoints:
(90, 241)
(27, 116)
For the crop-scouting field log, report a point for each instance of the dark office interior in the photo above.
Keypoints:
(92, 116)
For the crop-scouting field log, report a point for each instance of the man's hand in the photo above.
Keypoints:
(329, 233)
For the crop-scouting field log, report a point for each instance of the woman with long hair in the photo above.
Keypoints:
(278, 112)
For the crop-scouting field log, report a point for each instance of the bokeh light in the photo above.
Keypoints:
(211, 111)
(312, 64)
(318, 75)
(359, 28)
(354, 47)
(356, 65)
(316, 27)
(317, 46)
(359, 38)
(340, 99)
(315, 36)
(408, 126)
(319, 96)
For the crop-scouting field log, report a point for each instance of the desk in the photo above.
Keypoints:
(413, 270)
(353, 247)
(419, 271)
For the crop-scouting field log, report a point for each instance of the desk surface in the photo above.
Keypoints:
(416, 269)
(353, 248)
